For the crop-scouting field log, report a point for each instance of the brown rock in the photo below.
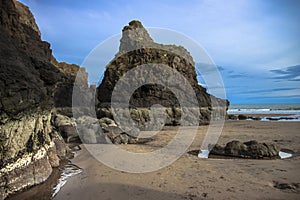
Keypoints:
(235, 148)
(251, 149)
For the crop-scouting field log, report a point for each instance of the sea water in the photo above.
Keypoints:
(272, 111)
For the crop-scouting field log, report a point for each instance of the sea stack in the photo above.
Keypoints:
(138, 48)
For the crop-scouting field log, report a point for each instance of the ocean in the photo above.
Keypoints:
(267, 109)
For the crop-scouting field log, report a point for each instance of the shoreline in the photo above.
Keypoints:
(265, 117)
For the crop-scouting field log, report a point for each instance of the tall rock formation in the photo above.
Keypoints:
(138, 48)
(29, 145)
(64, 91)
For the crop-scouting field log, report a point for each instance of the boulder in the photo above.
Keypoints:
(242, 117)
(66, 127)
(251, 149)
(118, 136)
(235, 148)
(89, 130)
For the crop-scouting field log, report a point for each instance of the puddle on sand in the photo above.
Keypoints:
(203, 154)
(68, 171)
(284, 155)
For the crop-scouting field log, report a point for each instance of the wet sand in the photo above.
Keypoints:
(192, 178)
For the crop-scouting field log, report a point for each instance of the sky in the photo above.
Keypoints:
(254, 43)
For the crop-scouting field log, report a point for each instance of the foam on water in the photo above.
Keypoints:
(272, 110)
(264, 109)
(68, 171)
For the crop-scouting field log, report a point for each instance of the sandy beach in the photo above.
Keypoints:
(192, 178)
(81, 77)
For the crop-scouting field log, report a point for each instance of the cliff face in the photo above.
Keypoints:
(64, 91)
(137, 48)
(18, 23)
(29, 146)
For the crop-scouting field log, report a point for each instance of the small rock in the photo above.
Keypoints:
(105, 122)
(285, 186)
(255, 118)
(242, 117)
(204, 194)
(76, 148)
(232, 117)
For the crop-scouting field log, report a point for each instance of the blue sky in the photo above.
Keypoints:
(255, 43)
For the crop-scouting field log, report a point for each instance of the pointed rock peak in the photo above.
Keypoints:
(133, 25)
(134, 36)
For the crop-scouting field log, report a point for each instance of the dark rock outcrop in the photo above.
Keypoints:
(251, 149)
(29, 144)
(242, 117)
(138, 48)
(64, 91)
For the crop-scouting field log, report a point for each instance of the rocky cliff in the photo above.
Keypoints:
(64, 91)
(29, 145)
(138, 48)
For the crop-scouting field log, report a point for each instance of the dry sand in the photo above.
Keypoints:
(192, 178)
